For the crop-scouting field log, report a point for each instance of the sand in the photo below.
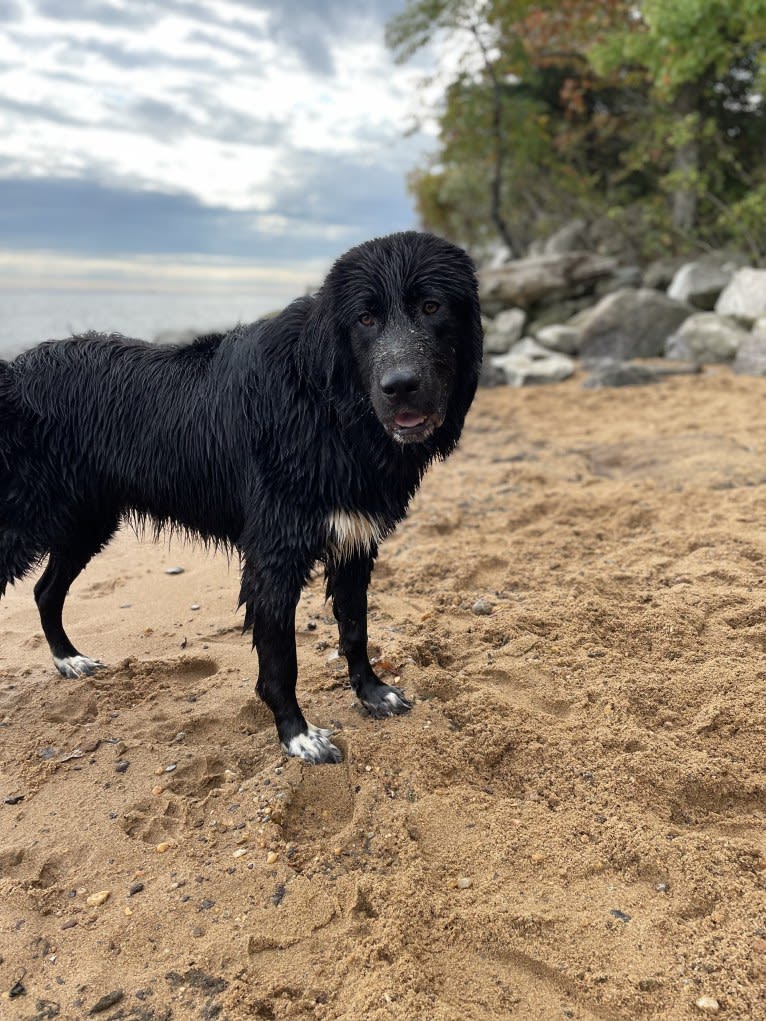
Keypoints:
(569, 824)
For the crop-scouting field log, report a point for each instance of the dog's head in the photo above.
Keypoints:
(405, 309)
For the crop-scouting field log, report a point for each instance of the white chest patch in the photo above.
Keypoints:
(353, 532)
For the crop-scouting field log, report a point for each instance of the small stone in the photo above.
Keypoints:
(174, 570)
(180, 736)
(620, 915)
(197, 932)
(70, 923)
(708, 1004)
(171, 768)
(157, 790)
(14, 799)
(464, 883)
(135, 888)
(240, 852)
(482, 608)
(271, 857)
(97, 899)
(661, 888)
(537, 858)
(121, 766)
(106, 1002)
(163, 846)
(195, 606)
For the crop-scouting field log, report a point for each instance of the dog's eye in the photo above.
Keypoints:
(429, 307)
(367, 319)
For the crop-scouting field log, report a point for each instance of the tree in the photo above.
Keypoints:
(649, 112)
(692, 52)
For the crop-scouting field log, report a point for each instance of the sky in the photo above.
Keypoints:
(198, 142)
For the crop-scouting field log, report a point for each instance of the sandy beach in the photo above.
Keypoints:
(569, 824)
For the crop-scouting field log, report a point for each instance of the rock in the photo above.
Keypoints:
(174, 570)
(559, 337)
(490, 374)
(110, 1000)
(706, 338)
(608, 372)
(504, 331)
(571, 237)
(528, 363)
(659, 274)
(624, 276)
(751, 355)
(525, 282)
(482, 608)
(629, 324)
(744, 296)
(700, 283)
(464, 883)
(97, 899)
(708, 1004)
(556, 312)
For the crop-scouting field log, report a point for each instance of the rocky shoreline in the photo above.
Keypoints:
(566, 305)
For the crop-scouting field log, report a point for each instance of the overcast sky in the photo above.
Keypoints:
(236, 134)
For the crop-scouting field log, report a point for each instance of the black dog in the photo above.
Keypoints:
(293, 440)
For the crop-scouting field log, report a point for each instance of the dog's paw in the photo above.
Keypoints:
(77, 666)
(315, 746)
(385, 700)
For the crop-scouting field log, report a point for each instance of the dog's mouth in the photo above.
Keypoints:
(413, 426)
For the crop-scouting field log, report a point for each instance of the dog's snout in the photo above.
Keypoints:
(400, 382)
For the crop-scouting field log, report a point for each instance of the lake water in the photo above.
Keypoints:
(29, 316)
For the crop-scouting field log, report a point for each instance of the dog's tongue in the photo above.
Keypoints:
(407, 419)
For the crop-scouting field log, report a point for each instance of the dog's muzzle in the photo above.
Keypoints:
(407, 405)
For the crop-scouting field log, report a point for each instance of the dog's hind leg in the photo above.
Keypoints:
(63, 566)
(347, 583)
(270, 611)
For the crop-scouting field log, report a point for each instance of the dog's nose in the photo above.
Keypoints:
(400, 382)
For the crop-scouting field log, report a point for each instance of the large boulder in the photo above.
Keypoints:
(706, 338)
(751, 356)
(744, 296)
(559, 337)
(700, 283)
(526, 282)
(504, 331)
(631, 323)
(528, 363)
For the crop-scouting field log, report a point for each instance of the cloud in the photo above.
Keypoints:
(264, 129)
(89, 218)
(10, 11)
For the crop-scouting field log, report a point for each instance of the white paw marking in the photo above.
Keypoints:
(352, 532)
(314, 747)
(77, 666)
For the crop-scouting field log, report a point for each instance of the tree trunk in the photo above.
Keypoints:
(686, 160)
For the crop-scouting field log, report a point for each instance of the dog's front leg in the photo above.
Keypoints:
(273, 625)
(347, 582)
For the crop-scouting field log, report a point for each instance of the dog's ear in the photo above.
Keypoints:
(324, 348)
(469, 347)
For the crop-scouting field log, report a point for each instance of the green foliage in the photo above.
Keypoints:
(649, 116)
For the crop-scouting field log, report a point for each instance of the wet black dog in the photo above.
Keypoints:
(293, 440)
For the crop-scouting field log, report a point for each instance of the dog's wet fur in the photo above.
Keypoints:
(293, 440)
